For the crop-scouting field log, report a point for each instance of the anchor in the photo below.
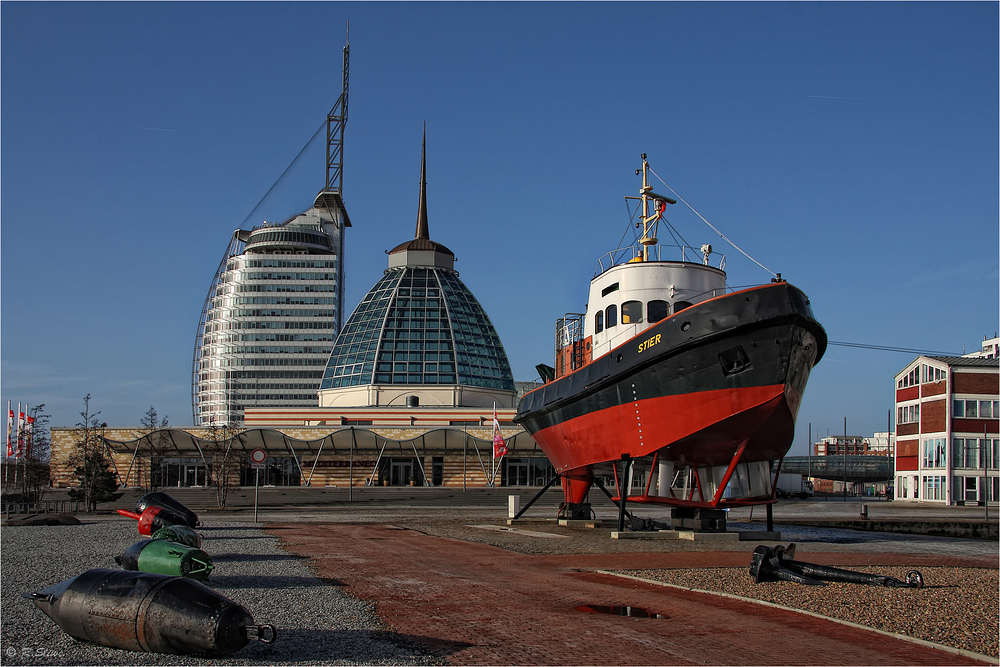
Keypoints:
(774, 564)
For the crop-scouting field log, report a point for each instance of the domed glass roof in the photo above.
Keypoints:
(419, 325)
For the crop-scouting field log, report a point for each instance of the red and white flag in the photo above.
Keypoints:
(10, 429)
(29, 428)
(499, 446)
(20, 433)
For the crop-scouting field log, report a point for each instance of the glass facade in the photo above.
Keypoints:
(419, 326)
(270, 319)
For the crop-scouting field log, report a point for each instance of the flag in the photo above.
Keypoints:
(20, 433)
(29, 429)
(499, 446)
(10, 429)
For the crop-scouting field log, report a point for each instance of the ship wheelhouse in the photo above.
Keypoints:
(629, 298)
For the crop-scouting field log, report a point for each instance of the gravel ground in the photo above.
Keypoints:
(317, 623)
(957, 606)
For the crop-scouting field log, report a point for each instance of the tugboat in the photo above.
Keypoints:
(691, 387)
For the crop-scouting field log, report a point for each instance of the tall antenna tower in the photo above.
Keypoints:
(335, 122)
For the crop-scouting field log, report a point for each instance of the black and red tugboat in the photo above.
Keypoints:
(693, 386)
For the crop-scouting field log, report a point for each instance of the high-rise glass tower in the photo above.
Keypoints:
(273, 309)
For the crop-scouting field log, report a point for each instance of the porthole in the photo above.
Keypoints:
(618, 358)
(685, 326)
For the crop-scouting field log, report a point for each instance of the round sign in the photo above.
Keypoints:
(258, 456)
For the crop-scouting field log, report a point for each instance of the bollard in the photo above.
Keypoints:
(153, 518)
(163, 500)
(155, 613)
(513, 505)
(166, 557)
(182, 534)
(767, 564)
(864, 511)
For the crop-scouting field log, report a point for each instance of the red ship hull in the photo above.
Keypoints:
(722, 386)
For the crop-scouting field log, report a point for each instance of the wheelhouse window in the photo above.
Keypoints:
(611, 315)
(631, 312)
(657, 310)
(681, 305)
(599, 322)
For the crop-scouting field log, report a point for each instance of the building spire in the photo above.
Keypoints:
(422, 230)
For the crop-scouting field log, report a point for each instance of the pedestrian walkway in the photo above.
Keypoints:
(482, 605)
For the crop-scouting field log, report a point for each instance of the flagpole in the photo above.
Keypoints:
(493, 452)
(6, 453)
(17, 441)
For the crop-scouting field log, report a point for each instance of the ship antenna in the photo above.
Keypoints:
(650, 222)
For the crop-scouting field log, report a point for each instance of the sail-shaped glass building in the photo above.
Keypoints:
(274, 307)
(271, 316)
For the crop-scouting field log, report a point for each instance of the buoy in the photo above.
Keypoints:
(155, 613)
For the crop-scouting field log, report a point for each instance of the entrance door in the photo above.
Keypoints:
(194, 475)
(517, 473)
(400, 473)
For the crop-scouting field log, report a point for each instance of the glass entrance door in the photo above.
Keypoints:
(517, 473)
(400, 473)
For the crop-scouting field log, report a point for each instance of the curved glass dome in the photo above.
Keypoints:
(419, 325)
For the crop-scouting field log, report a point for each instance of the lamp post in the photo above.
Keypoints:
(845, 459)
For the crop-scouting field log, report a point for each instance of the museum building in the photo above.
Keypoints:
(414, 391)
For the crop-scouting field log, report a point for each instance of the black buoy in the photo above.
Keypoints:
(154, 613)
(163, 500)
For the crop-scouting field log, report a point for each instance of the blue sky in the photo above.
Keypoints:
(850, 146)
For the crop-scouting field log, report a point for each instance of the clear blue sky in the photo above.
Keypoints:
(851, 146)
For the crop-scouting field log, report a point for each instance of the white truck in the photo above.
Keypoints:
(791, 485)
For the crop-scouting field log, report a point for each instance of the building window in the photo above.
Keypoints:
(973, 408)
(910, 379)
(631, 312)
(934, 487)
(967, 453)
(934, 453)
(932, 374)
(907, 414)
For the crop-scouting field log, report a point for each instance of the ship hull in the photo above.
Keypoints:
(721, 379)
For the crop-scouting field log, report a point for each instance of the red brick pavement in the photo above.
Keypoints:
(487, 606)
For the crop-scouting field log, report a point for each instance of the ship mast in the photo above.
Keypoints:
(649, 222)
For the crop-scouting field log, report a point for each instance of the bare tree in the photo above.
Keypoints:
(228, 455)
(36, 455)
(152, 433)
(97, 482)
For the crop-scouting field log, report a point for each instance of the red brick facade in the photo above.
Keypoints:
(975, 383)
(933, 416)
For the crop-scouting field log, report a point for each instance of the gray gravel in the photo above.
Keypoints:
(957, 606)
(317, 622)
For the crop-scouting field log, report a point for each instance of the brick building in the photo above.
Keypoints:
(947, 417)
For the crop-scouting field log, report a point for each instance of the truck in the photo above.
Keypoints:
(791, 485)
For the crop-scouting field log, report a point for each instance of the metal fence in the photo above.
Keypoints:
(42, 507)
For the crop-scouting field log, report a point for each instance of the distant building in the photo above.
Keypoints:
(990, 349)
(879, 444)
(947, 425)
